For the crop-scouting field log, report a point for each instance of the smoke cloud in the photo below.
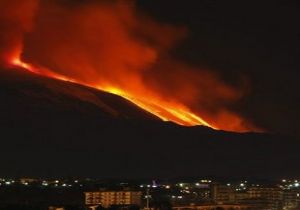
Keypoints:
(16, 18)
(111, 44)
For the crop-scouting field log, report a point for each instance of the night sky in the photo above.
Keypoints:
(257, 42)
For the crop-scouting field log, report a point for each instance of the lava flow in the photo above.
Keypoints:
(166, 111)
(17, 61)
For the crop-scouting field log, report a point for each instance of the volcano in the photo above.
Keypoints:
(51, 127)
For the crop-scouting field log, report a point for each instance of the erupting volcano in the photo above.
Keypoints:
(111, 47)
(164, 110)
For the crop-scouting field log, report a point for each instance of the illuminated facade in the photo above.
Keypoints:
(224, 194)
(109, 198)
(266, 197)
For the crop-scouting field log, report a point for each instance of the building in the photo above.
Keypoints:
(109, 198)
(227, 194)
(222, 194)
(291, 199)
(267, 198)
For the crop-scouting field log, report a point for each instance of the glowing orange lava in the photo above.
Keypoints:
(167, 111)
(17, 61)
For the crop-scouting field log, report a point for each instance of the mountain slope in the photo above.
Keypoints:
(55, 128)
(29, 95)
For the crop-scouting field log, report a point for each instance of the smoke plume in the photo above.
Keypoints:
(112, 46)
